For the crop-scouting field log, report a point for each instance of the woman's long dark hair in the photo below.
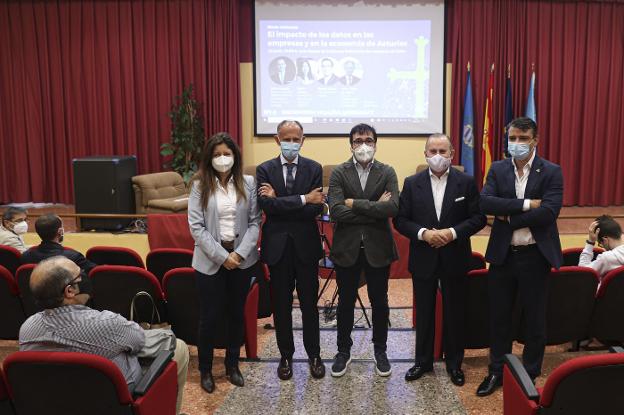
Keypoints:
(206, 174)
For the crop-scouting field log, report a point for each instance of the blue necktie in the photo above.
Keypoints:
(290, 180)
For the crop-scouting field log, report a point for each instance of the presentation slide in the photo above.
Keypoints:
(332, 74)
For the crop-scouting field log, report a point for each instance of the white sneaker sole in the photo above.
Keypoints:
(379, 372)
(341, 373)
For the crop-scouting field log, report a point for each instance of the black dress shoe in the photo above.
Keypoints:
(317, 368)
(284, 370)
(489, 385)
(416, 372)
(457, 377)
(207, 382)
(235, 376)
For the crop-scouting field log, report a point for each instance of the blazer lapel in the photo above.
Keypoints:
(424, 185)
(354, 179)
(302, 171)
(534, 177)
(277, 177)
(373, 178)
(215, 215)
(510, 179)
(449, 193)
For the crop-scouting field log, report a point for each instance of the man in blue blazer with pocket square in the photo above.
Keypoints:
(439, 212)
(524, 193)
(290, 194)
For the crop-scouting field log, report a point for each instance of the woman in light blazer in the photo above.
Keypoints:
(224, 219)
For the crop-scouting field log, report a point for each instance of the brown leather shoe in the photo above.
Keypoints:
(317, 368)
(284, 370)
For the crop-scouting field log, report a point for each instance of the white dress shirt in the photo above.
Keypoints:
(604, 262)
(226, 210)
(523, 236)
(294, 172)
(363, 172)
(438, 187)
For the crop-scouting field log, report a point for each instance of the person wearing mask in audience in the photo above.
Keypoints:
(50, 229)
(439, 212)
(14, 225)
(363, 196)
(290, 194)
(524, 193)
(66, 324)
(608, 233)
(224, 221)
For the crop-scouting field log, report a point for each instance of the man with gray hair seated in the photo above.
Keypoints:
(14, 225)
(67, 325)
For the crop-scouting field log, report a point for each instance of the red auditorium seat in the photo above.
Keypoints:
(66, 383)
(477, 324)
(10, 258)
(571, 255)
(583, 385)
(114, 255)
(161, 260)
(606, 323)
(22, 277)
(11, 308)
(6, 407)
(183, 310)
(114, 287)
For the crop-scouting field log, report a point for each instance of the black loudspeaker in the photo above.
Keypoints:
(103, 184)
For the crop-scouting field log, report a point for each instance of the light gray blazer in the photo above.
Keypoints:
(209, 255)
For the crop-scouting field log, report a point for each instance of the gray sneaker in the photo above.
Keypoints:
(341, 363)
(382, 365)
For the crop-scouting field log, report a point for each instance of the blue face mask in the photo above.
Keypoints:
(519, 151)
(290, 150)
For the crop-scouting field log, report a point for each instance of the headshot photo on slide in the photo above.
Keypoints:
(305, 71)
(326, 71)
(351, 71)
(282, 70)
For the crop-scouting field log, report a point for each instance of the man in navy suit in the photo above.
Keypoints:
(524, 194)
(290, 194)
(439, 211)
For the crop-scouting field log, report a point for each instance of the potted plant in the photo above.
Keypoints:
(187, 135)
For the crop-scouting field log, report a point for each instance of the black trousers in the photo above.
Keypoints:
(286, 275)
(348, 279)
(524, 275)
(453, 288)
(226, 290)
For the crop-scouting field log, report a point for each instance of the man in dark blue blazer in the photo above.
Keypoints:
(290, 194)
(524, 194)
(439, 212)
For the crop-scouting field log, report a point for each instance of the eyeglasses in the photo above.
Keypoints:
(73, 282)
(368, 141)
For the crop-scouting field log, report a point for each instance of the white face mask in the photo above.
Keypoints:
(364, 153)
(222, 164)
(21, 228)
(438, 163)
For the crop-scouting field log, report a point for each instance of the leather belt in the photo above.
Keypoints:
(522, 248)
(228, 245)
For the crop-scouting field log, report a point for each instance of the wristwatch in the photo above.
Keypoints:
(590, 242)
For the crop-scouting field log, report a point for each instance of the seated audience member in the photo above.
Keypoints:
(50, 230)
(608, 233)
(14, 225)
(67, 325)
